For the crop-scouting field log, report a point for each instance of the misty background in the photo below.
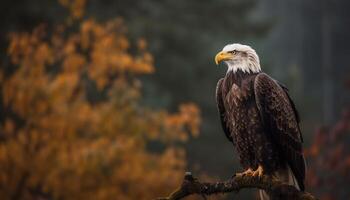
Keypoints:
(303, 44)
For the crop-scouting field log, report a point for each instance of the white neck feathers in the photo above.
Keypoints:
(249, 62)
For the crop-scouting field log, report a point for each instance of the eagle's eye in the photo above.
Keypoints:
(233, 52)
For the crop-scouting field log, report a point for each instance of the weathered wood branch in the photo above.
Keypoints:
(275, 188)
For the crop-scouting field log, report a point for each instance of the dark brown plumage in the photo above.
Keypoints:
(260, 118)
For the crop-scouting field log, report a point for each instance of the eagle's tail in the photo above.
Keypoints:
(284, 175)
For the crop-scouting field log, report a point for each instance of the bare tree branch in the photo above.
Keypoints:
(275, 188)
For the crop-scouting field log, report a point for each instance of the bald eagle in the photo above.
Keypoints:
(259, 118)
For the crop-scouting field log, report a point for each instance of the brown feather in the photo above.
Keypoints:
(258, 116)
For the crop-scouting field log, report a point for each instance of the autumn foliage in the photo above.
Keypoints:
(73, 123)
(329, 160)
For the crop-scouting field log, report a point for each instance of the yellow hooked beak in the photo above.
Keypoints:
(222, 56)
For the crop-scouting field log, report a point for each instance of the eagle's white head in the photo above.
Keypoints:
(239, 57)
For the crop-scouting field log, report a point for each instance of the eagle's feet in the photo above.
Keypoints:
(258, 172)
(249, 172)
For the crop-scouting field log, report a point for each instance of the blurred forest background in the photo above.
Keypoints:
(115, 99)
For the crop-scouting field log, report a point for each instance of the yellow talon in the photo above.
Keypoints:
(249, 171)
(258, 172)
